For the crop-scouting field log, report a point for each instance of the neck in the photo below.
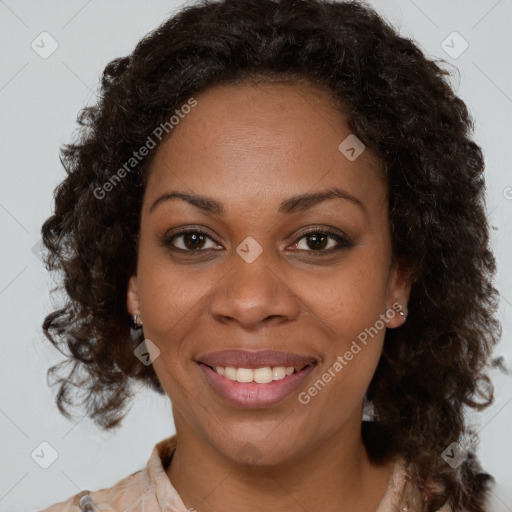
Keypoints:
(336, 474)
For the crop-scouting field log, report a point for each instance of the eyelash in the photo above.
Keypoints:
(343, 241)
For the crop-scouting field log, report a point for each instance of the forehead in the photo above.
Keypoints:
(260, 140)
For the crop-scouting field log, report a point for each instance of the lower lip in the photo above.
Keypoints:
(251, 394)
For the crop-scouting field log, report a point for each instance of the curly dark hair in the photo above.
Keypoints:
(401, 105)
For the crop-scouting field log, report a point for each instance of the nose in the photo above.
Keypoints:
(253, 294)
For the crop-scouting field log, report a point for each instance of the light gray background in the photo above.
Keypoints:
(39, 101)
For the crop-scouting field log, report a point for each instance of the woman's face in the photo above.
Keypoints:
(256, 281)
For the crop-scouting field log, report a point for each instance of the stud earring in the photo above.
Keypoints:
(137, 321)
(403, 315)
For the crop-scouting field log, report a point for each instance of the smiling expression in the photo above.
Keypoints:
(256, 170)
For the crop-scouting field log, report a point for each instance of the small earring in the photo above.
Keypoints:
(403, 315)
(137, 321)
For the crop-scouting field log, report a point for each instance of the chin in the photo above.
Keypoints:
(257, 446)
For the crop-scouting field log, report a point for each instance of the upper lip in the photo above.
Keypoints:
(255, 359)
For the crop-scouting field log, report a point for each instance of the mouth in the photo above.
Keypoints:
(253, 385)
(262, 375)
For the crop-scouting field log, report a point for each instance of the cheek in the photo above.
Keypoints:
(352, 296)
(354, 336)
(170, 301)
(348, 306)
(170, 295)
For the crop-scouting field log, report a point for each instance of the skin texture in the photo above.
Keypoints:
(250, 147)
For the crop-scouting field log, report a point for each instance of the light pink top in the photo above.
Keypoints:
(149, 490)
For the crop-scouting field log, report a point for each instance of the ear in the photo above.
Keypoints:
(399, 291)
(132, 296)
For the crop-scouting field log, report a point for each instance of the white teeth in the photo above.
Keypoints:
(230, 373)
(263, 375)
(279, 372)
(260, 375)
(244, 375)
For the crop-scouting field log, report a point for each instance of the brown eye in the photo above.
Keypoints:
(322, 242)
(192, 240)
(317, 241)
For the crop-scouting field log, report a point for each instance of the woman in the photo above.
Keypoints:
(284, 201)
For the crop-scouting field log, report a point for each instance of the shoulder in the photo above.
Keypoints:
(142, 490)
(402, 492)
(111, 499)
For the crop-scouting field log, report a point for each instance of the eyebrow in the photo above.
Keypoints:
(289, 206)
